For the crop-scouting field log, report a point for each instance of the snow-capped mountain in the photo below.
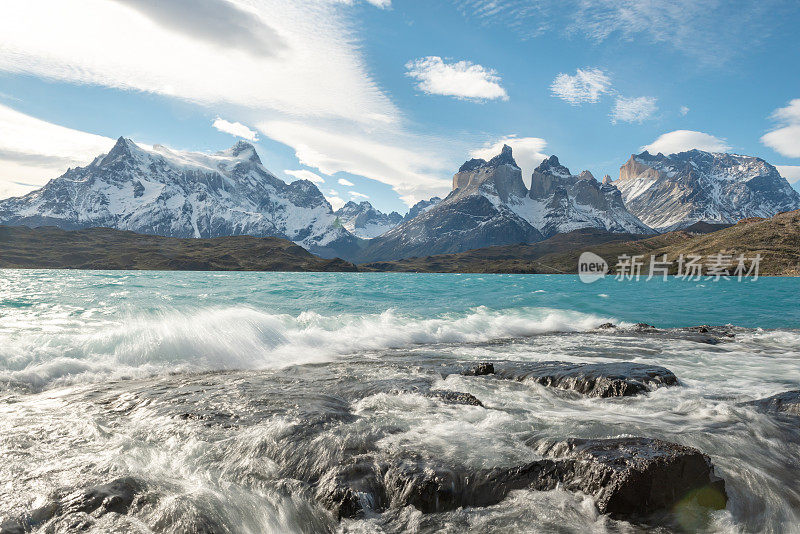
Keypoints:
(421, 207)
(475, 214)
(490, 205)
(562, 202)
(675, 191)
(184, 194)
(364, 221)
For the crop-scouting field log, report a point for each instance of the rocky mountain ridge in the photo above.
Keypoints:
(364, 221)
(490, 205)
(676, 191)
(174, 193)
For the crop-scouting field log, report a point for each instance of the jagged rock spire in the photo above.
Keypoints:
(504, 158)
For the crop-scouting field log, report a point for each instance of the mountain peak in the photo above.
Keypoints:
(122, 149)
(551, 165)
(505, 157)
(243, 150)
(607, 179)
(472, 164)
(586, 175)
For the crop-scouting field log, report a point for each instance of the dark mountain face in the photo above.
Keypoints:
(183, 194)
(420, 207)
(490, 205)
(364, 221)
(477, 213)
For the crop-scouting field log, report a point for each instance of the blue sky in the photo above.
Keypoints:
(384, 99)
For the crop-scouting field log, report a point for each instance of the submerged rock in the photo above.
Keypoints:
(786, 402)
(618, 379)
(639, 476)
(455, 397)
(626, 476)
(482, 369)
(116, 496)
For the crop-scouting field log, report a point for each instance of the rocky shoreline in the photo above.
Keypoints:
(637, 478)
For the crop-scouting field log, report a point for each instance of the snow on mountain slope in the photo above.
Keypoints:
(421, 207)
(561, 202)
(364, 221)
(675, 191)
(183, 194)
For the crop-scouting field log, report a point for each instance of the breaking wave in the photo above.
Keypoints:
(248, 338)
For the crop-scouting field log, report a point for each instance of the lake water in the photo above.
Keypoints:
(207, 387)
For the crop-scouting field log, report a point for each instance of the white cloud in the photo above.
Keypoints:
(310, 65)
(712, 31)
(683, 140)
(346, 183)
(383, 4)
(297, 71)
(461, 79)
(684, 110)
(528, 152)
(585, 86)
(408, 165)
(637, 109)
(33, 151)
(303, 174)
(236, 129)
(356, 194)
(335, 200)
(785, 140)
(790, 172)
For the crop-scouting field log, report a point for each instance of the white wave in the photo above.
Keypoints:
(247, 338)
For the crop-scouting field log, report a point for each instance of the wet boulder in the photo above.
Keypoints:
(787, 402)
(351, 489)
(116, 496)
(455, 397)
(481, 369)
(638, 476)
(628, 477)
(618, 379)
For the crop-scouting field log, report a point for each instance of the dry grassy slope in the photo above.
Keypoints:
(104, 248)
(521, 258)
(777, 240)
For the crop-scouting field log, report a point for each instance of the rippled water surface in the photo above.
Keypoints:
(225, 393)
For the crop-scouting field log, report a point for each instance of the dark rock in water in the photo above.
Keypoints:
(644, 326)
(11, 526)
(627, 477)
(482, 369)
(116, 496)
(639, 476)
(620, 379)
(606, 326)
(351, 489)
(786, 402)
(455, 397)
